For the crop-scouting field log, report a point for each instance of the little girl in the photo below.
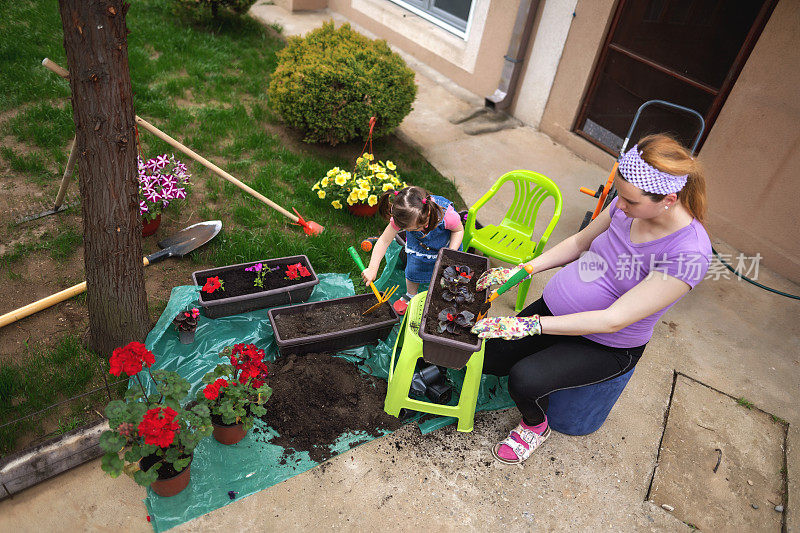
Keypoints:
(430, 223)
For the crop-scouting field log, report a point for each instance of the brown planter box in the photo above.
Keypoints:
(440, 350)
(235, 305)
(335, 341)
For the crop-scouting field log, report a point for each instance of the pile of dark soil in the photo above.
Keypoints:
(330, 316)
(238, 282)
(437, 304)
(317, 397)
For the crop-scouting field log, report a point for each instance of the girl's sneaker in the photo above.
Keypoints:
(519, 444)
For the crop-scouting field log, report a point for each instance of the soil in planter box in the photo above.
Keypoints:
(317, 397)
(238, 282)
(331, 318)
(165, 471)
(437, 304)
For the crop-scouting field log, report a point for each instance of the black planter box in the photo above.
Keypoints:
(337, 340)
(439, 350)
(235, 305)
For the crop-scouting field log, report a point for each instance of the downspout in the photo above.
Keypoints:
(504, 94)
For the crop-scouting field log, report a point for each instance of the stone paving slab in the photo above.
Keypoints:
(720, 463)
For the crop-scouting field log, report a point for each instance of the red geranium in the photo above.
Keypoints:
(158, 426)
(212, 389)
(297, 270)
(130, 358)
(249, 363)
(212, 284)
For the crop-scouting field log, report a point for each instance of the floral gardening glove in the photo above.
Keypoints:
(496, 276)
(507, 327)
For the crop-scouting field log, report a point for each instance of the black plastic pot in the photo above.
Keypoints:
(338, 340)
(444, 351)
(186, 337)
(235, 305)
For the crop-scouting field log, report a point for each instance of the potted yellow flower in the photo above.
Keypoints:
(359, 190)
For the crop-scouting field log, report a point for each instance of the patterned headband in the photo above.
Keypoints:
(642, 174)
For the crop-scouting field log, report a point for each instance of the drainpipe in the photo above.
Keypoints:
(504, 94)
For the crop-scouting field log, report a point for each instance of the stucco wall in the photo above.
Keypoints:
(752, 154)
(474, 64)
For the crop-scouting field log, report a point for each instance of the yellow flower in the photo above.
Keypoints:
(324, 182)
(346, 175)
(390, 165)
(387, 187)
(369, 157)
(332, 172)
(374, 168)
(379, 169)
(340, 180)
(362, 194)
(352, 199)
(382, 175)
(364, 184)
(372, 200)
(315, 187)
(359, 160)
(336, 204)
(321, 194)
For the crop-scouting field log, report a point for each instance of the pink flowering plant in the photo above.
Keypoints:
(162, 179)
(261, 270)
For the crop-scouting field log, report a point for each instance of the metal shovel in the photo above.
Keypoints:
(177, 245)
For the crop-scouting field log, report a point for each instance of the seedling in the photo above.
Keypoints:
(744, 402)
(450, 319)
(262, 271)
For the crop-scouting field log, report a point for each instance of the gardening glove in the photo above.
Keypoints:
(507, 327)
(497, 276)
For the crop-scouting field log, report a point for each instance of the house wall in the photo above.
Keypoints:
(752, 154)
(474, 63)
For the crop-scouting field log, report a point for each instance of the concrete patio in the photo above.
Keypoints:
(726, 334)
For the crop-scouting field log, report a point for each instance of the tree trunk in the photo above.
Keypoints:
(95, 39)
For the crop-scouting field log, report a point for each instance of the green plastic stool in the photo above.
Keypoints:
(409, 345)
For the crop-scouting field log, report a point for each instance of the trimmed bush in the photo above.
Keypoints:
(331, 82)
(237, 6)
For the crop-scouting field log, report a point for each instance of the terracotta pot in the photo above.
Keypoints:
(228, 434)
(169, 486)
(187, 337)
(148, 228)
(362, 210)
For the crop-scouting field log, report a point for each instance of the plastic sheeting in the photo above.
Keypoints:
(255, 463)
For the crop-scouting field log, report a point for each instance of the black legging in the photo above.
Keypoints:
(540, 364)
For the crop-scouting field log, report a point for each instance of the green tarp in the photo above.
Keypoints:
(255, 463)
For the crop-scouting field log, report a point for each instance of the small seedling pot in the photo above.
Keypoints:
(167, 486)
(186, 337)
(438, 393)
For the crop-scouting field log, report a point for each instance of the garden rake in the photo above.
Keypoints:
(382, 297)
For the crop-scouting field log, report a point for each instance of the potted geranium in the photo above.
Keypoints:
(161, 180)
(186, 324)
(156, 432)
(235, 392)
(359, 190)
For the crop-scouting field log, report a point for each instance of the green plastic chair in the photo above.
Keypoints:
(407, 350)
(512, 241)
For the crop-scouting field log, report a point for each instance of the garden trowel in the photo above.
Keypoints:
(382, 297)
(523, 273)
(177, 245)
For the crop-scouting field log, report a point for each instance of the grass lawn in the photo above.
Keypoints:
(203, 82)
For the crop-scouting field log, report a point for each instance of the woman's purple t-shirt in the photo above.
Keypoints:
(613, 265)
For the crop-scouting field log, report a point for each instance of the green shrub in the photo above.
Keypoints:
(331, 82)
(237, 6)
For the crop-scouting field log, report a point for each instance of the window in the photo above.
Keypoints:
(452, 15)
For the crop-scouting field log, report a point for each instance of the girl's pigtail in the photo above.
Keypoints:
(431, 212)
(385, 204)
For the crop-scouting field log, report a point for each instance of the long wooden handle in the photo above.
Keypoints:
(44, 303)
(211, 166)
(55, 67)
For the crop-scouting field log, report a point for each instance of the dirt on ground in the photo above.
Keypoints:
(318, 397)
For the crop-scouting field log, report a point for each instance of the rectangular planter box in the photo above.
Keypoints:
(235, 305)
(441, 350)
(335, 341)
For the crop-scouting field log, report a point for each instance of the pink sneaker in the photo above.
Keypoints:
(400, 306)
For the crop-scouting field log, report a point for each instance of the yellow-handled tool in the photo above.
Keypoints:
(382, 297)
(523, 273)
